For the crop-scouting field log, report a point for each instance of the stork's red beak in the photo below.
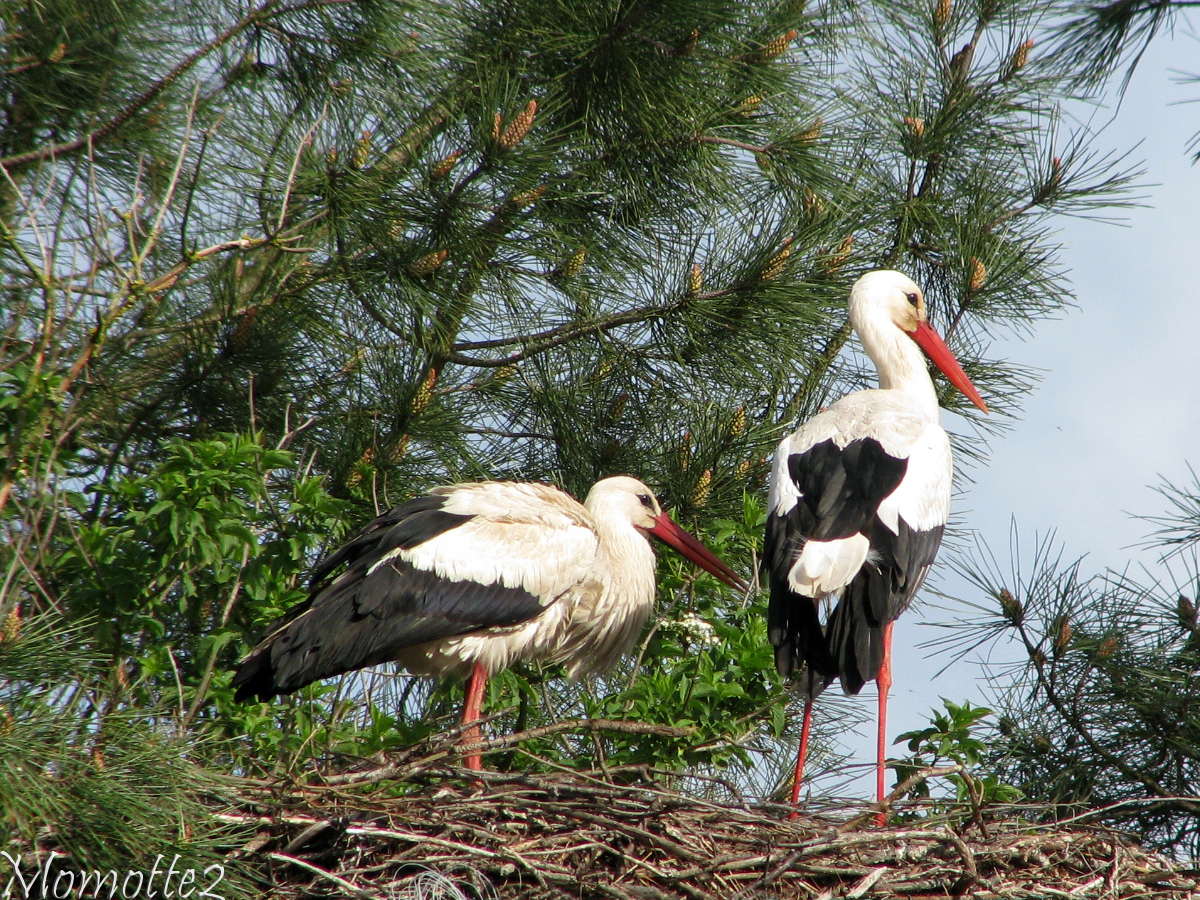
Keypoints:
(935, 348)
(667, 531)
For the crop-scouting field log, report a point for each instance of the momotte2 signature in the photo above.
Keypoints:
(62, 882)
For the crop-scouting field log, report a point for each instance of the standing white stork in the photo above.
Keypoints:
(859, 498)
(470, 578)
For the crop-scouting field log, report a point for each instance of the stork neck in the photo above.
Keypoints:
(626, 558)
(623, 544)
(900, 363)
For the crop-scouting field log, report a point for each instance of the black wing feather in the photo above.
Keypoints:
(377, 607)
(841, 489)
(793, 626)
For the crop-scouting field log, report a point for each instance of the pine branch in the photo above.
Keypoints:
(448, 320)
(1092, 44)
(1068, 717)
(428, 124)
(555, 337)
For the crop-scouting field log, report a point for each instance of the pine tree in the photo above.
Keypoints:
(1097, 712)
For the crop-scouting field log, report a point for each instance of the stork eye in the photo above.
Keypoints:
(913, 298)
(647, 500)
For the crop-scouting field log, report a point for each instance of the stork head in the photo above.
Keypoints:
(887, 296)
(884, 297)
(624, 499)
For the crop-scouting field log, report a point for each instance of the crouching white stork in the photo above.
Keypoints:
(472, 577)
(859, 497)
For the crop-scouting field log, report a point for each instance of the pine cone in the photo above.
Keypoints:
(814, 206)
(739, 421)
(429, 263)
(1186, 610)
(1011, 607)
(11, 629)
(978, 275)
(776, 263)
(777, 46)
(240, 336)
(749, 106)
(444, 166)
(528, 198)
(425, 392)
(574, 264)
(814, 132)
(1020, 57)
(839, 258)
(1062, 636)
(519, 127)
(362, 151)
(399, 449)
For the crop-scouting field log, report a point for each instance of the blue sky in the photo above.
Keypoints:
(1118, 409)
(1119, 405)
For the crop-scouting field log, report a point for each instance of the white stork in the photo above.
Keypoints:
(470, 578)
(859, 498)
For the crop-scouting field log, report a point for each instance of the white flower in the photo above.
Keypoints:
(695, 629)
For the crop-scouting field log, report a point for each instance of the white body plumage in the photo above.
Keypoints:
(906, 429)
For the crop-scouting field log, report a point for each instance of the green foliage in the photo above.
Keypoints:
(953, 738)
(711, 672)
(197, 552)
(950, 735)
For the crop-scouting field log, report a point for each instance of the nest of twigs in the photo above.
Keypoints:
(441, 832)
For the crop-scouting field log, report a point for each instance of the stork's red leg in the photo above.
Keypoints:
(476, 685)
(802, 755)
(884, 682)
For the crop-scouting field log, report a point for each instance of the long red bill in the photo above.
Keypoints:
(935, 348)
(667, 531)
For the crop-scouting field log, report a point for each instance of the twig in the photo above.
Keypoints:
(329, 876)
(305, 143)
